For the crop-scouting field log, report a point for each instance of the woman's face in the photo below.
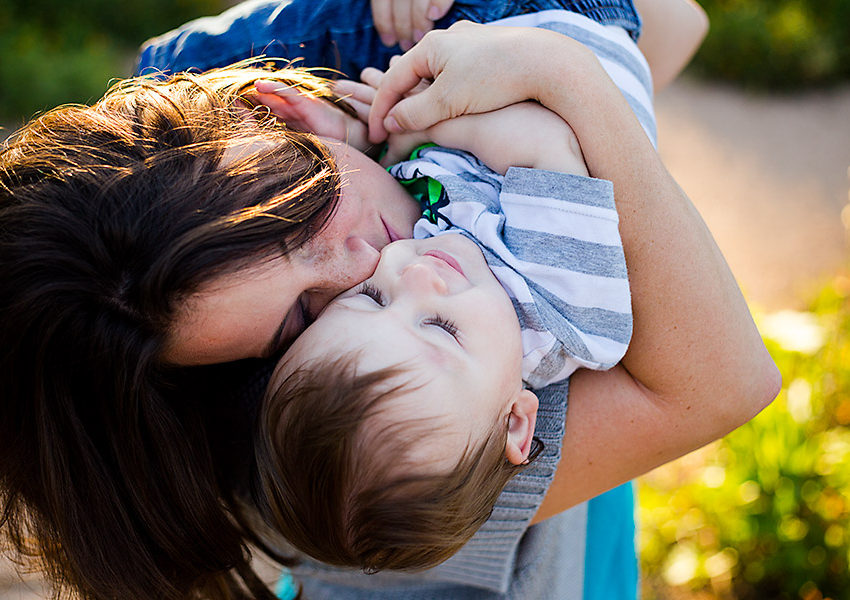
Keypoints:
(256, 311)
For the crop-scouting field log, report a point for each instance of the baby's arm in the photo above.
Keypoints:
(520, 135)
(671, 33)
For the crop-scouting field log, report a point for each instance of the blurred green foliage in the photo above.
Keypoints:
(776, 44)
(52, 52)
(55, 52)
(765, 512)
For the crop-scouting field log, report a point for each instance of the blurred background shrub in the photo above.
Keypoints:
(764, 512)
(776, 44)
(54, 52)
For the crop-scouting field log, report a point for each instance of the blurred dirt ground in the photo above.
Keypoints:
(770, 177)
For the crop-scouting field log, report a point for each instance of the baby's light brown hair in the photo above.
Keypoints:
(349, 494)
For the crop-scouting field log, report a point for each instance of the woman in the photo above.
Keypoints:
(184, 239)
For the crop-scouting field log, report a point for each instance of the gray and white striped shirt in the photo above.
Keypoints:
(551, 239)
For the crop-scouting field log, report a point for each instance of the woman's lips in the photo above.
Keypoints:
(446, 258)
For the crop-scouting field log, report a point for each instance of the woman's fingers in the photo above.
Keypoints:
(475, 68)
(402, 21)
(419, 22)
(403, 75)
(438, 9)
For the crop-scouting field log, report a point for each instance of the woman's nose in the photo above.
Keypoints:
(362, 259)
(421, 278)
(340, 271)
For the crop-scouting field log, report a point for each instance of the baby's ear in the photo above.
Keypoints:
(521, 427)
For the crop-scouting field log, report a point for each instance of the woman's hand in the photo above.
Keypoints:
(406, 21)
(474, 68)
(520, 135)
(361, 94)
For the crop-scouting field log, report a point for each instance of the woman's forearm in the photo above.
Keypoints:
(696, 367)
(693, 333)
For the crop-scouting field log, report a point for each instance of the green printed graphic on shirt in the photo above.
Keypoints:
(427, 191)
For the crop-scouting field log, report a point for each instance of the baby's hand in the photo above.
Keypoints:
(308, 114)
(406, 21)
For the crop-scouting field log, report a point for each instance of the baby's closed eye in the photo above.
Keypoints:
(367, 289)
(445, 324)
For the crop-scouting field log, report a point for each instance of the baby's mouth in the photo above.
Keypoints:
(446, 258)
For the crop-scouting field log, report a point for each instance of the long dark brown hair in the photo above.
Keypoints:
(110, 216)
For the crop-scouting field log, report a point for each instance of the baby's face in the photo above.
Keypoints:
(434, 307)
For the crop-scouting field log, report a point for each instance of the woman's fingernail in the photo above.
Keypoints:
(405, 45)
(391, 125)
(417, 35)
(388, 40)
(434, 13)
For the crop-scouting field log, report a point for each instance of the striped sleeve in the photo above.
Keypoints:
(561, 238)
(551, 239)
(616, 51)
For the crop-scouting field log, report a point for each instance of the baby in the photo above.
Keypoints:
(394, 421)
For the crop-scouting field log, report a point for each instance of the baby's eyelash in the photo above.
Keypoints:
(443, 323)
(367, 289)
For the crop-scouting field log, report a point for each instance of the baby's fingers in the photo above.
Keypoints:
(360, 108)
(425, 13)
(371, 77)
(354, 90)
(382, 17)
(402, 22)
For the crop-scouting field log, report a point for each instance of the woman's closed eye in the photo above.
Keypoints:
(293, 323)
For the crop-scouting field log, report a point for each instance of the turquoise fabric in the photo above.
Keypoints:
(611, 568)
(287, 588)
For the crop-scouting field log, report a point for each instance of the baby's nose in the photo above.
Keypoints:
(419, 277)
